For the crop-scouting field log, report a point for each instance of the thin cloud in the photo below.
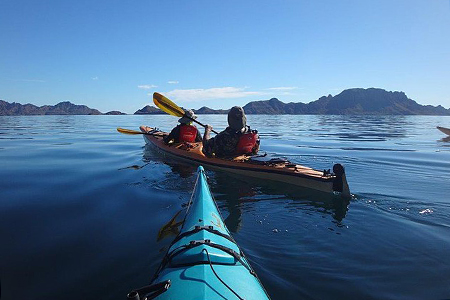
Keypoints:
(95, 78)
(31, 80)
(173, 82)
(210, 94)
(147, 86)
(283, 88)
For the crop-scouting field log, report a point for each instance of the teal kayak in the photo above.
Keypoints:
(203, 261)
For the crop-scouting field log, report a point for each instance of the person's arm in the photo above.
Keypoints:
(208, 141)
(207, 134)
(172, 135)
(198, 138)
(256, 147)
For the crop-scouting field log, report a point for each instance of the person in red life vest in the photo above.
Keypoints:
(185, 131)
(236, 139)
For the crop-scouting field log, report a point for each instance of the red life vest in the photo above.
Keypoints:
(188, 133)
(246, 143)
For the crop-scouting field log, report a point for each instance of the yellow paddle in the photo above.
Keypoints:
(171, 108)
(129, 131)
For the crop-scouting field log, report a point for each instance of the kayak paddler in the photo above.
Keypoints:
(236, 139)
(185, 131)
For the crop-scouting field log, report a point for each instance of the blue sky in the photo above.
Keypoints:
(112, 55)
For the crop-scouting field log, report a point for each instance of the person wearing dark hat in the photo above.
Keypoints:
(236, 139)
(185, 131)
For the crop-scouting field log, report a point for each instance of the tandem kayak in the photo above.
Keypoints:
(203, 261)
(444, 130)
(277, 170)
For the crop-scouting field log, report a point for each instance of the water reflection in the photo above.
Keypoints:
(233, 192)
(364, 128)
(171, 228)
(446, 139)
(238, 190)
(184, 170)
(134, 167)
(356, 128)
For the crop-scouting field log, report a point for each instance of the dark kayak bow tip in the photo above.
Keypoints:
(444, 130)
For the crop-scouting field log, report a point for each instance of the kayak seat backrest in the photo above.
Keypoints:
(198, 256)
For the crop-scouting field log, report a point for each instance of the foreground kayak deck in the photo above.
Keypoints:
(203, 261)
(278, 171)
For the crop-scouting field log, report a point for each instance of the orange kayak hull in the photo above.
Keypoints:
(282, 171)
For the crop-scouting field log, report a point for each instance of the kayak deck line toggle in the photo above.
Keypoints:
(199, 242)
(150, 291)
(199, 228)
(196, 243)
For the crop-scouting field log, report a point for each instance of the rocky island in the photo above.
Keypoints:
(62, 108)
(357, 101)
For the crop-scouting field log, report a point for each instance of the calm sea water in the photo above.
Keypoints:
(81, 206)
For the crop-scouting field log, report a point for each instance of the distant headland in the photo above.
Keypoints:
(356, 101)
(62, 108)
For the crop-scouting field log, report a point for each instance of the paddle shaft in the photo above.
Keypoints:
(201, 124)
(171, 108)
(129, 131)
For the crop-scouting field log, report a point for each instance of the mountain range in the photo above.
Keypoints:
(62, 108)
(371, 101)
(359, 101)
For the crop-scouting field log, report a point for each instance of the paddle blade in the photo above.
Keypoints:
(168, 106)
(128, 131)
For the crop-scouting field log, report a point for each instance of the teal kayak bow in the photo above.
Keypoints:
(203, 261)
